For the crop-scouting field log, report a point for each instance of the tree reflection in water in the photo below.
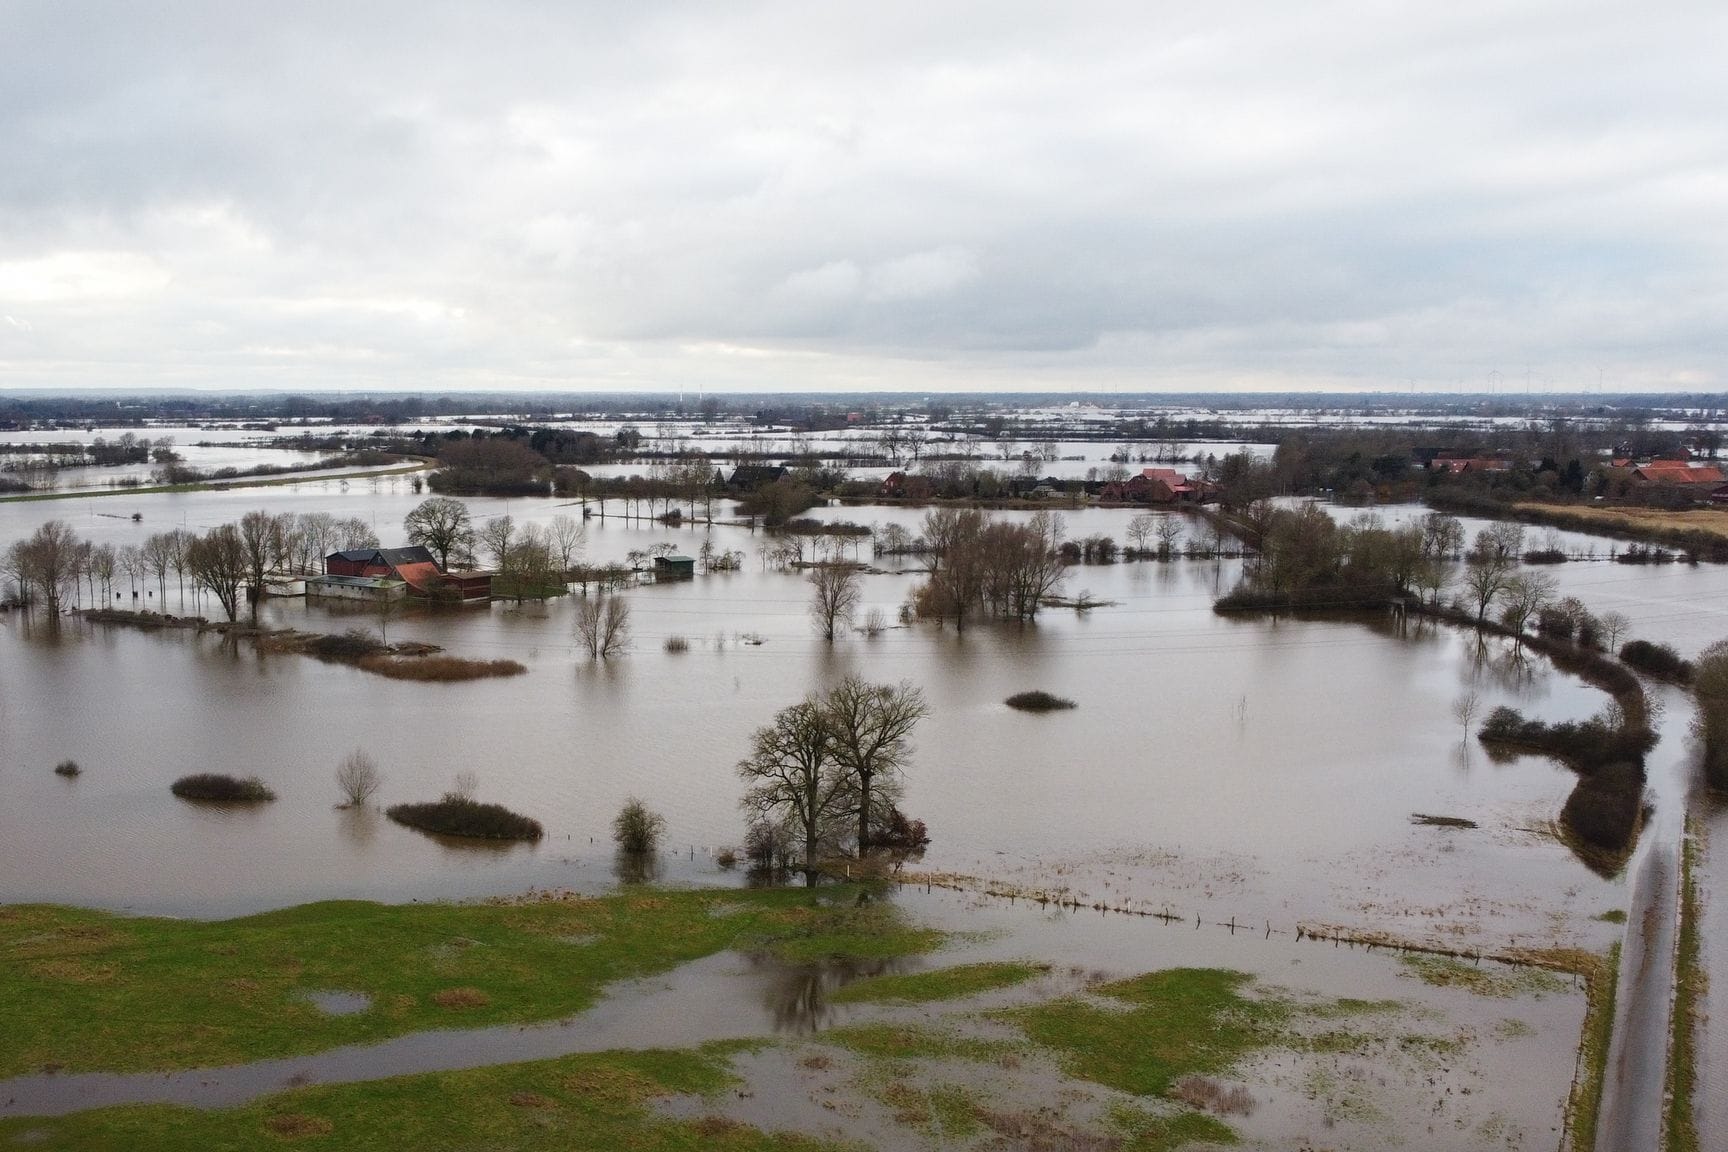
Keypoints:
(797, 995)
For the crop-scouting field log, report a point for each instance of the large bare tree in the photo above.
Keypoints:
(217, 560)
(870, 730)
(442, 526)
(48, 563)
(795, 781)
(835, 589)
(603, 625)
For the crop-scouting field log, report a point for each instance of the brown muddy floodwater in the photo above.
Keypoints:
(1227, 770)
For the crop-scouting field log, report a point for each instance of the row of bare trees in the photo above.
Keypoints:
(55, 568)
(981, 564)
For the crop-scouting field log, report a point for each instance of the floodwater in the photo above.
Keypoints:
(1457, 1069)
(1227, 770)
(1264, 768)
(720, 997)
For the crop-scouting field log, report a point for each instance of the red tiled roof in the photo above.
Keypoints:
(1678, 472)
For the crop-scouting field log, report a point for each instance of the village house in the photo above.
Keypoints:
(366, 573)
(1679, 473)
(749, 477)
(1154, 486)
(1460, 465)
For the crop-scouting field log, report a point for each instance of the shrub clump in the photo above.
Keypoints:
(223, 789)
(67, 768)
(636, 829)
(1038, 701)
(440, 669)
(1658, 660)
(1586, 745)
(458, 815)
(354, 644)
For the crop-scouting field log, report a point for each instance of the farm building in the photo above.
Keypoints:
(674, 568)
(416, 568)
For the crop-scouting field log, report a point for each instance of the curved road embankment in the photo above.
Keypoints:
(1632, 1087)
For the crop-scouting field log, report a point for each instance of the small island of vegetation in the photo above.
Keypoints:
(1038, 701)
(458, 815)
(213, 786)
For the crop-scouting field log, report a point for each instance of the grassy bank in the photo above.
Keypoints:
(574, 1102)
(1584, 1107)
(88, 991)
(1680, 1125)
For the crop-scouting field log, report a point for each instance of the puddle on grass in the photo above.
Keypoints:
(333, 1003)
(725, 996)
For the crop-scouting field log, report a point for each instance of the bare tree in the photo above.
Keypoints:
(498, 536)
(870, 730)
(1464, 708)
(1614, 626)
(159, 558)
(1485, 575)
(1140, 530)
(261, 537)
(1169, 535)
(603, 625)
(795, 781)
(353, 532)
(217, 561)
(835, 589)
(568, 539)
(358, 777)
(1523, 595)
(466, 784)
(47, 564)
(442, 526)
(131, 559)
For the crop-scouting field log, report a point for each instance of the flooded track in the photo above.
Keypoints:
(720, 997)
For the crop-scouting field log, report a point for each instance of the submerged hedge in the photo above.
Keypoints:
(226, 789)
(1038, 701)
(458, 816)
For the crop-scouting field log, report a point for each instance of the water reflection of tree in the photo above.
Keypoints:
(797, 995)
(637, 867)
(359, 825)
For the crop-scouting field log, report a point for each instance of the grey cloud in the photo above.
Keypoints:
(807, 195)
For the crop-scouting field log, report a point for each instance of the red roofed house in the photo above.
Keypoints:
(1167, 486)
(413, 566)
(1456, 465)
(1678, 472)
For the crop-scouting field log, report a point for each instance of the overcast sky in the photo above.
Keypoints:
(878, 195)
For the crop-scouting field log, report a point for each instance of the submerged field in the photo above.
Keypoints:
(838, 1020)
(1105, 883)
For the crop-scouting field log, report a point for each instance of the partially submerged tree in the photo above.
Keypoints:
(217, 561)
(795, 783)
(835, 589)
(870, 735)
(637, 828)
(1522, 597)
(442, 526)
(359, 778)
(1710, 725)
(603, 624)
(47, 564)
